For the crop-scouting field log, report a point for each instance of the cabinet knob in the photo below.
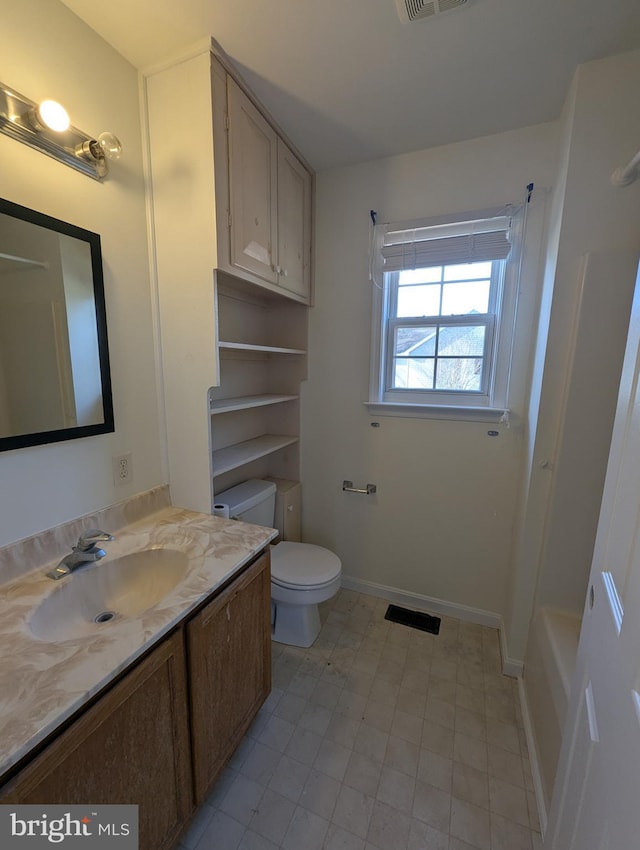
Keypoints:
(290, 508)
(284, 272)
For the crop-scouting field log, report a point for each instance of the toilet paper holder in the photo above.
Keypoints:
(348, 487)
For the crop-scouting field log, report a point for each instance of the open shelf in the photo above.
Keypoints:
(224, 460)
(264, 349)
(228, 405)
(261, 346)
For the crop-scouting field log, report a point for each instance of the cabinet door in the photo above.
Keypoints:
(132, 746)
(252, 186)
(229, 645)
(294, 223)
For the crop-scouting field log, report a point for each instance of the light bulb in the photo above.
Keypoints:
(110, 145)
(54, 116)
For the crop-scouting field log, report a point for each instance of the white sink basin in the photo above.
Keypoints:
(87, 601)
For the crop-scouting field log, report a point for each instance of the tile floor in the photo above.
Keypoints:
(379, 737)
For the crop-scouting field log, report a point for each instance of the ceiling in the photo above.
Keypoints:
(349, 82)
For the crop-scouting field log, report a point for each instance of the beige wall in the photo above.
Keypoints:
(47, 51)
(441, 522)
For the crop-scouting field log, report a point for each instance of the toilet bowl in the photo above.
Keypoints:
(302, 575)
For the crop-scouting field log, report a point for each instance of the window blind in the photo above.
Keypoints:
(475, 241)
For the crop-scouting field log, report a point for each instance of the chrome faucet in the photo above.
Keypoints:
(83, 552)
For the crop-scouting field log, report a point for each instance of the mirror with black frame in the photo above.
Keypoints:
(55, 380)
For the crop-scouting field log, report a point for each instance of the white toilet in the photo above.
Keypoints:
(302, 575)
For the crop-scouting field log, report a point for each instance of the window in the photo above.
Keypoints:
(443, 315)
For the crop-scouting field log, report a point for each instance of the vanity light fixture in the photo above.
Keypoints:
(46, 128)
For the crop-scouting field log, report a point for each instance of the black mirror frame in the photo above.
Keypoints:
(21, 441)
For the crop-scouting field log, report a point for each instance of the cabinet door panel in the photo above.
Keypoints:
(294, 222)
(252, 186)
(132, 746)
(229, 646)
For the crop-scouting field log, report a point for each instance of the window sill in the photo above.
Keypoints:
(437, 411)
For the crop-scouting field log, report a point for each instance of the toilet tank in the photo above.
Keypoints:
(252, 501)
(288, 509)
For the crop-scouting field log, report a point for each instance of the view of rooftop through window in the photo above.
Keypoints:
(441, 328)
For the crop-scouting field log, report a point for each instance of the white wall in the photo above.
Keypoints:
(602, 131)
(47, 51)
(442, 520)
(536, 482)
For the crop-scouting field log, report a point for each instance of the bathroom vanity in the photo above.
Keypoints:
(151, 713)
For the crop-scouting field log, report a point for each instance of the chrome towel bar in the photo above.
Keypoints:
(348, 487)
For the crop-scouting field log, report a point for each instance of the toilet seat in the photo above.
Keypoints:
(303, 565)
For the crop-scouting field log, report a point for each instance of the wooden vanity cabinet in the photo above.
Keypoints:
(162, 733)
(229, 662)
(132, 746)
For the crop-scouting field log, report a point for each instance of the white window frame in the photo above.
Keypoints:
(491, 403)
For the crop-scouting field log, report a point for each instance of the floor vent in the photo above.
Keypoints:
(415, 619)
(414, 10)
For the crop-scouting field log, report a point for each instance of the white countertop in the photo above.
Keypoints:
(42, 683)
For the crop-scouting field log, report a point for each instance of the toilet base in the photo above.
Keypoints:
(295, 625)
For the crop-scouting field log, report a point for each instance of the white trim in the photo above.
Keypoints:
(438, 411)
(510, 666)
(418, 600)
(497, 356)
(154, 290)
(533, 757)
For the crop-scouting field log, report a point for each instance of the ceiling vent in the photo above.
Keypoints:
(413, 10)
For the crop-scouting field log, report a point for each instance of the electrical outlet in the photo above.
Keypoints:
(122, 469)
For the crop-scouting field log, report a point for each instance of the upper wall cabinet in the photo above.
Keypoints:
(294, 223)
(253, 158)
(269, 200)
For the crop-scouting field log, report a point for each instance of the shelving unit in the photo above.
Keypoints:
(232, 243)
(229, 405)
(264, 349)
(255, 415)
(241, 454)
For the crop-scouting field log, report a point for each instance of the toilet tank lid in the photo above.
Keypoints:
(245, 496)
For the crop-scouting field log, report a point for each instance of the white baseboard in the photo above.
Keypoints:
(426, 603)
(533, 757)
(510, 666)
